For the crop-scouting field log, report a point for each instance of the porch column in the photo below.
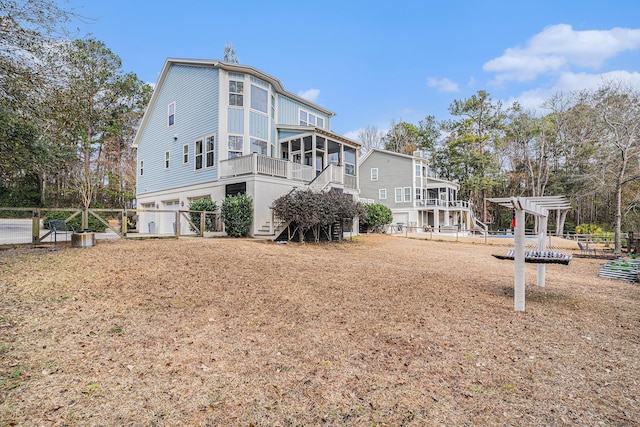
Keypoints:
(436, 218)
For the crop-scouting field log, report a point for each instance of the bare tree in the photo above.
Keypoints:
(618, 109)
(370, 137)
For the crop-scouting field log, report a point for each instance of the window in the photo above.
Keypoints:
(407, 194)
(349, 161)
(418, 193)
(236, 90)
(374, 174)
(309, 119)
(424, 171)
(185, 154)
(398, 195)
(166, 160)
(141, 167)
(259, 99)
(382, 194)
(198, 154)
(258, 146)
(171, 113)
(235, 146)
(210, 151)
(418, 170)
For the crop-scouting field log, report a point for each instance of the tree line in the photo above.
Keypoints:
(585, 146)
(68, 113)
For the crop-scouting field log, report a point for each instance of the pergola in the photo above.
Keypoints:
(539, 207)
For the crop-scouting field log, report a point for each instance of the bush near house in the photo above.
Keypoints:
(377, 216)
(203, 204)
(237, 214)
(318, 212)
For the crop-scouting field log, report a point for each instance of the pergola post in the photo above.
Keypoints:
(518, 241)
(542, 246)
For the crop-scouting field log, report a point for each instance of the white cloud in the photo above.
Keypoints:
(353, 134)
(443, 85)
(309, 94)
(569, 82)
(559, 47)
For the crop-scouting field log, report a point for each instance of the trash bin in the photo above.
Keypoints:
(152, 227)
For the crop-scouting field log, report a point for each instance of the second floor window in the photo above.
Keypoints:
(171, 114)
(382, 193)
(259, 99)
(407, 194)
(198, 154)
(398, 192)
(141, 167)
(236, 93)
(235, 146)
(374, 174)
(185, 154)
(258, 146)
(166, 160)
(210, 151)
(310, 119)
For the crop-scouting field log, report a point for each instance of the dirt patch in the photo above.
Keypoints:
(379, 331)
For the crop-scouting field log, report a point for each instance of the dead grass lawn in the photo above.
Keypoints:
(380, 331)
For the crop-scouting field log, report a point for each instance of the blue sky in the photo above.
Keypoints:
(373, 63)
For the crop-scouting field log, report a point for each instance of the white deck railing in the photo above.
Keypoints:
(264, 165)
(443, 203)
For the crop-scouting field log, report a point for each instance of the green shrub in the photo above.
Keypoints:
(588, 229)
(203, 204)
(76, 222)
(237, 214)
(377, 216)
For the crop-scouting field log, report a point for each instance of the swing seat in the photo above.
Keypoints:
(539, 257)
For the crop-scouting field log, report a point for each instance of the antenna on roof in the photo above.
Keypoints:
(230, 54)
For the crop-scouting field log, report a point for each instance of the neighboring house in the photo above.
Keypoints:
(214, 129)
(404, 184)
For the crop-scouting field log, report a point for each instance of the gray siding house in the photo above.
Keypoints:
(416, 197)
(213, 129)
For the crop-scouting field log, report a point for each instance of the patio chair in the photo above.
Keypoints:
(586, 250)
(59, 226)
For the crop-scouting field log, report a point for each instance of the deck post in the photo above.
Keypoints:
(519, 267)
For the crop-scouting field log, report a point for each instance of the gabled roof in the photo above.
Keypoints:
(312, 129)
(234, 68)
(392, 153)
